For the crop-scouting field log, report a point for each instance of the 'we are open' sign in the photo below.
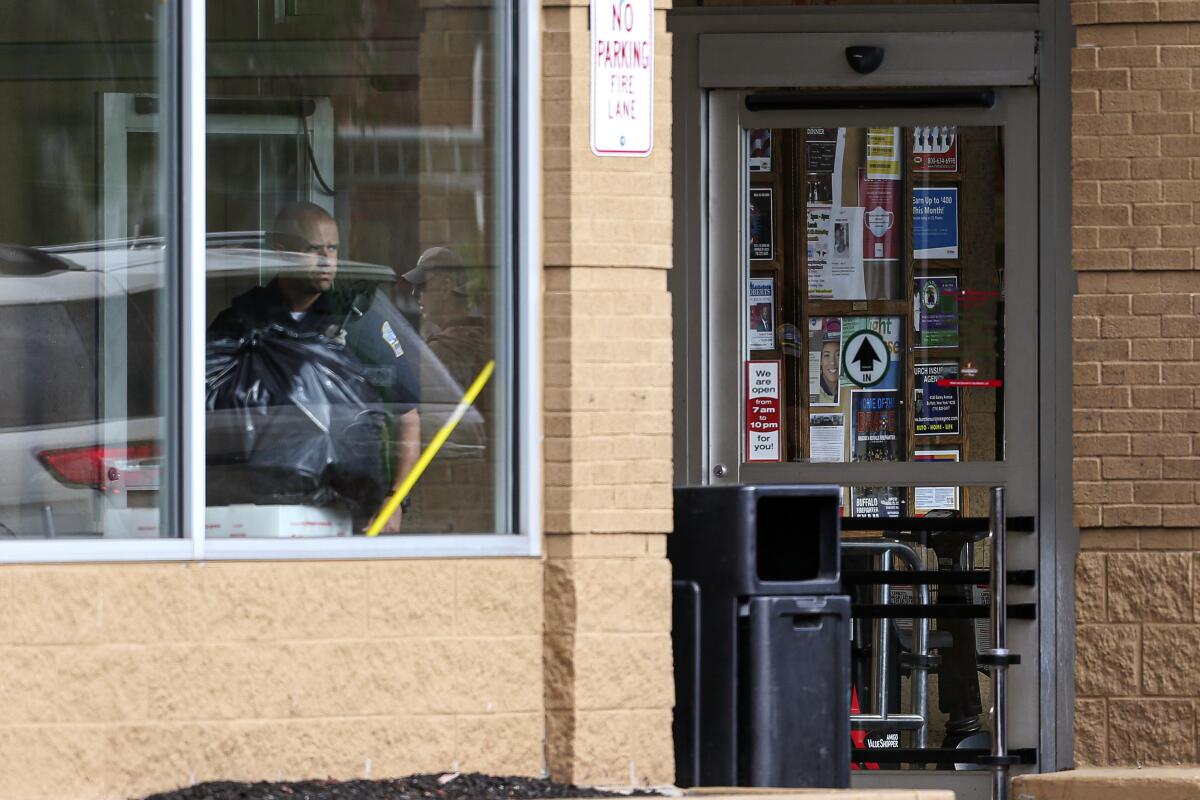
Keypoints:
(622, 77)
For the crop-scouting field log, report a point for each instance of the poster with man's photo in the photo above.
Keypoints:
(936, 408)
(761, 311)
(762, 224)
(824, 361)
(874, 420)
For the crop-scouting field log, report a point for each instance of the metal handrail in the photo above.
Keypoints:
(999, 657)
(881, 720)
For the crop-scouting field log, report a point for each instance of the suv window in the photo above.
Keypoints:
(52, 376)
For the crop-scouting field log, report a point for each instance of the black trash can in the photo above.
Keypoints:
(761, 638)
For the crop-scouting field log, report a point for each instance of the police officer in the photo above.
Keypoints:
(302, 298)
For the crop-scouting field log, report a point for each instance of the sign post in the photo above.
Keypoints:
(622, 101)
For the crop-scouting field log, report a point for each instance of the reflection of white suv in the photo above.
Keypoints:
(80, 424)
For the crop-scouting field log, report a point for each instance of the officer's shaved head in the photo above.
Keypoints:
(311, 234)
(296, 220)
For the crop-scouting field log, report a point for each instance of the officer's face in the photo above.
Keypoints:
(319, 247)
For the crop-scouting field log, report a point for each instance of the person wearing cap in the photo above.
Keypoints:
(454, 331)
(303, 298)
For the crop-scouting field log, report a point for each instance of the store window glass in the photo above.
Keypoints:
(81, 274)
(358, 276)
(875, 298)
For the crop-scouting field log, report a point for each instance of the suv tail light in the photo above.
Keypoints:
(106, 468)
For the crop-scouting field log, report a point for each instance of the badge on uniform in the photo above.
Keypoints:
(392, 340)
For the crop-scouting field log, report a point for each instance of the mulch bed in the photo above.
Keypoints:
(437, 786)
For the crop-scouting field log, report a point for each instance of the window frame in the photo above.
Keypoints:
(182, 80)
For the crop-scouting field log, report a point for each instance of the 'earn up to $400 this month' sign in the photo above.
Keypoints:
(622, 77)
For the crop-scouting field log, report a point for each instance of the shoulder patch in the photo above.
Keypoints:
(392, 340)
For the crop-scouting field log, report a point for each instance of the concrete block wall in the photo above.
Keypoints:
(1136, 90)
(119, 680)
(607, 246)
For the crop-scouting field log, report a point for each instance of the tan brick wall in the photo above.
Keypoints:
(607, 222)
(119, 680)
(1136, 141)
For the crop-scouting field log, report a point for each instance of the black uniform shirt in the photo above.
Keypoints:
(368, 335)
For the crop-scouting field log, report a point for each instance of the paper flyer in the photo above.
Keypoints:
(824, 149)
(820, 149)
(819, 235)
(935, 149)
(935, 222)
(935, 306)
(874, 425)
(762, 224)
(875, 502)
(928, 498)
(835, 262)
(761, 301)
(888, 329)
(881, 234)
(827, 438)
(936, 408)
(824, 361)
(763, 416)
(883, 154)
(820, 190)
(760, 150)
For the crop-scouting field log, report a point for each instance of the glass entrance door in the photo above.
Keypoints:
(872, 306)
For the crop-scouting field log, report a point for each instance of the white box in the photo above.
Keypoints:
(281, 522)
(131, 523)
(237, 522)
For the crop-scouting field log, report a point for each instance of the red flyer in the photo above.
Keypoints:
(763, 418)
(935, 149)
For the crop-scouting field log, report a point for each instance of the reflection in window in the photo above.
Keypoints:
(355, 185)
(80, 289)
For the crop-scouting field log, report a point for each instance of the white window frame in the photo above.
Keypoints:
(184, 497)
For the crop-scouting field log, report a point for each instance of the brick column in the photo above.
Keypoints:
(1137, 414)
(609, 688)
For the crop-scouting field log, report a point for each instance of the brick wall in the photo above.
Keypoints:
(119, 680)
(1136, 89)
(607, 224)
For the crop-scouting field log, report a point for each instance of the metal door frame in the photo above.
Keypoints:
(1057, 543)
(1016, 110)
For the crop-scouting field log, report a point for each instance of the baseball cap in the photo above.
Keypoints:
(433, 259)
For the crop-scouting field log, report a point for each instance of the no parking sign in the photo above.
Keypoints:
(622, 77)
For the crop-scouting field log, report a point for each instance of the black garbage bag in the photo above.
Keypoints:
(292, 420)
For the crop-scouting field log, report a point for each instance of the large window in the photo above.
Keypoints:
(331, 261)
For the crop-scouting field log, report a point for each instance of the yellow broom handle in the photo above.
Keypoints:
(431, 451)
